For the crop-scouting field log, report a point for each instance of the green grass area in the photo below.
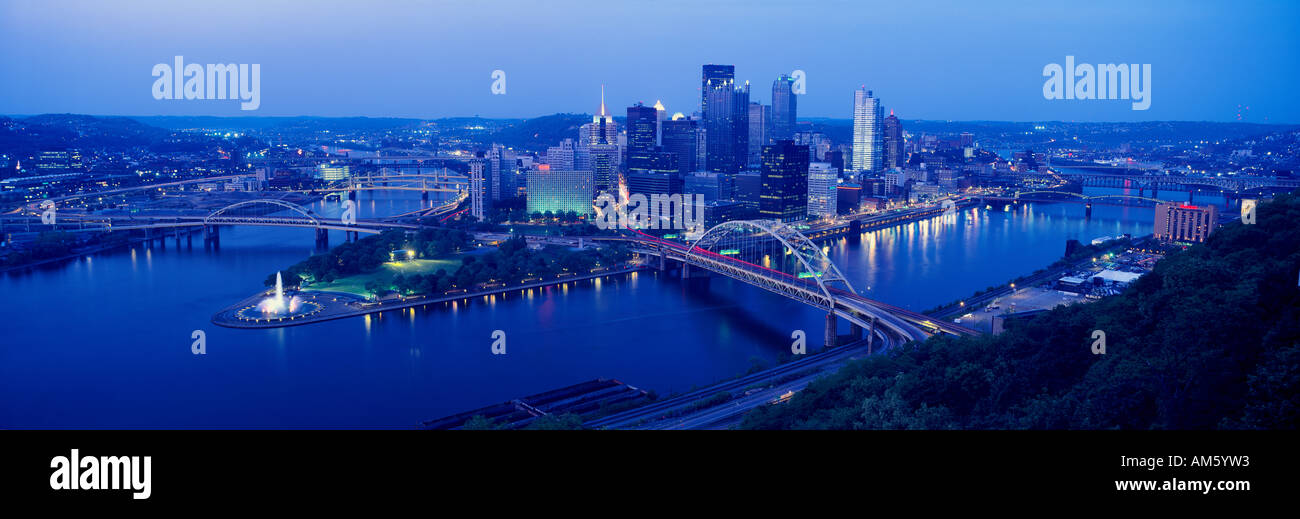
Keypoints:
(357, 284)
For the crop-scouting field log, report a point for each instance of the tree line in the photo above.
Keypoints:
(1209, 339)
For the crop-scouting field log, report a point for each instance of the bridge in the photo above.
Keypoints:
(385, 181)
(1087, 200)
(1233, 184)
(778, 258)
(259, 212)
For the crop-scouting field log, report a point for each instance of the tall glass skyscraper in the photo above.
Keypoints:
(740, 127)
(868, 130)
(760, 127)
(642, 126)
(894, 156)
(785, 182)
(680, 140)
(784, 104)
(717, 111)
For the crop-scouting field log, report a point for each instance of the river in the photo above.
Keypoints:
(104, 341)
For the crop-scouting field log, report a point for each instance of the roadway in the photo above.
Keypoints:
(748, 392)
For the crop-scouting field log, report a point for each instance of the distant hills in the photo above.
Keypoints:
(47, 131)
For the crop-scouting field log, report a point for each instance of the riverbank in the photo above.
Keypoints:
(72, 256)
(339, 305)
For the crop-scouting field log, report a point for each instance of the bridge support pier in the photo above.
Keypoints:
(830, 330)
(322, 239)
(211, 236)
(1087, 211)
(855, 332)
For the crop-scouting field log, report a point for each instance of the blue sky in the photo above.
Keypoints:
(925, 60)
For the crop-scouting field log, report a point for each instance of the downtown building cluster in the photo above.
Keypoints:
(742, 158)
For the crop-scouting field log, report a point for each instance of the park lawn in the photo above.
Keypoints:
(356, 285)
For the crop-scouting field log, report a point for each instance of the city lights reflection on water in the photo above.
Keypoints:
(652, 330)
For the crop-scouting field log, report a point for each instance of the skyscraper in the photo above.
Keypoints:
(785, 182)
(740, 127)
(642, 126)
(602, 129)
(868, 145)
(501, 169)
(680, 140)
(479, 190)
(604, 160)
(760, 117)
(661, 115)
(716, 110)
(822, 195)
(784, 110)
(894, 156)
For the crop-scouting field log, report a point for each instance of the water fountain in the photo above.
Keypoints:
(277, 307)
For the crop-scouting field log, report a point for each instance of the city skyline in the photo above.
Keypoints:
(963, 63)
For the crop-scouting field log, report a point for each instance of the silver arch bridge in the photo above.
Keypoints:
(815, 280)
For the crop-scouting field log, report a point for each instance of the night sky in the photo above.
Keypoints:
(925, 60)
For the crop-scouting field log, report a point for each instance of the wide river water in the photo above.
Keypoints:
(104, 341)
